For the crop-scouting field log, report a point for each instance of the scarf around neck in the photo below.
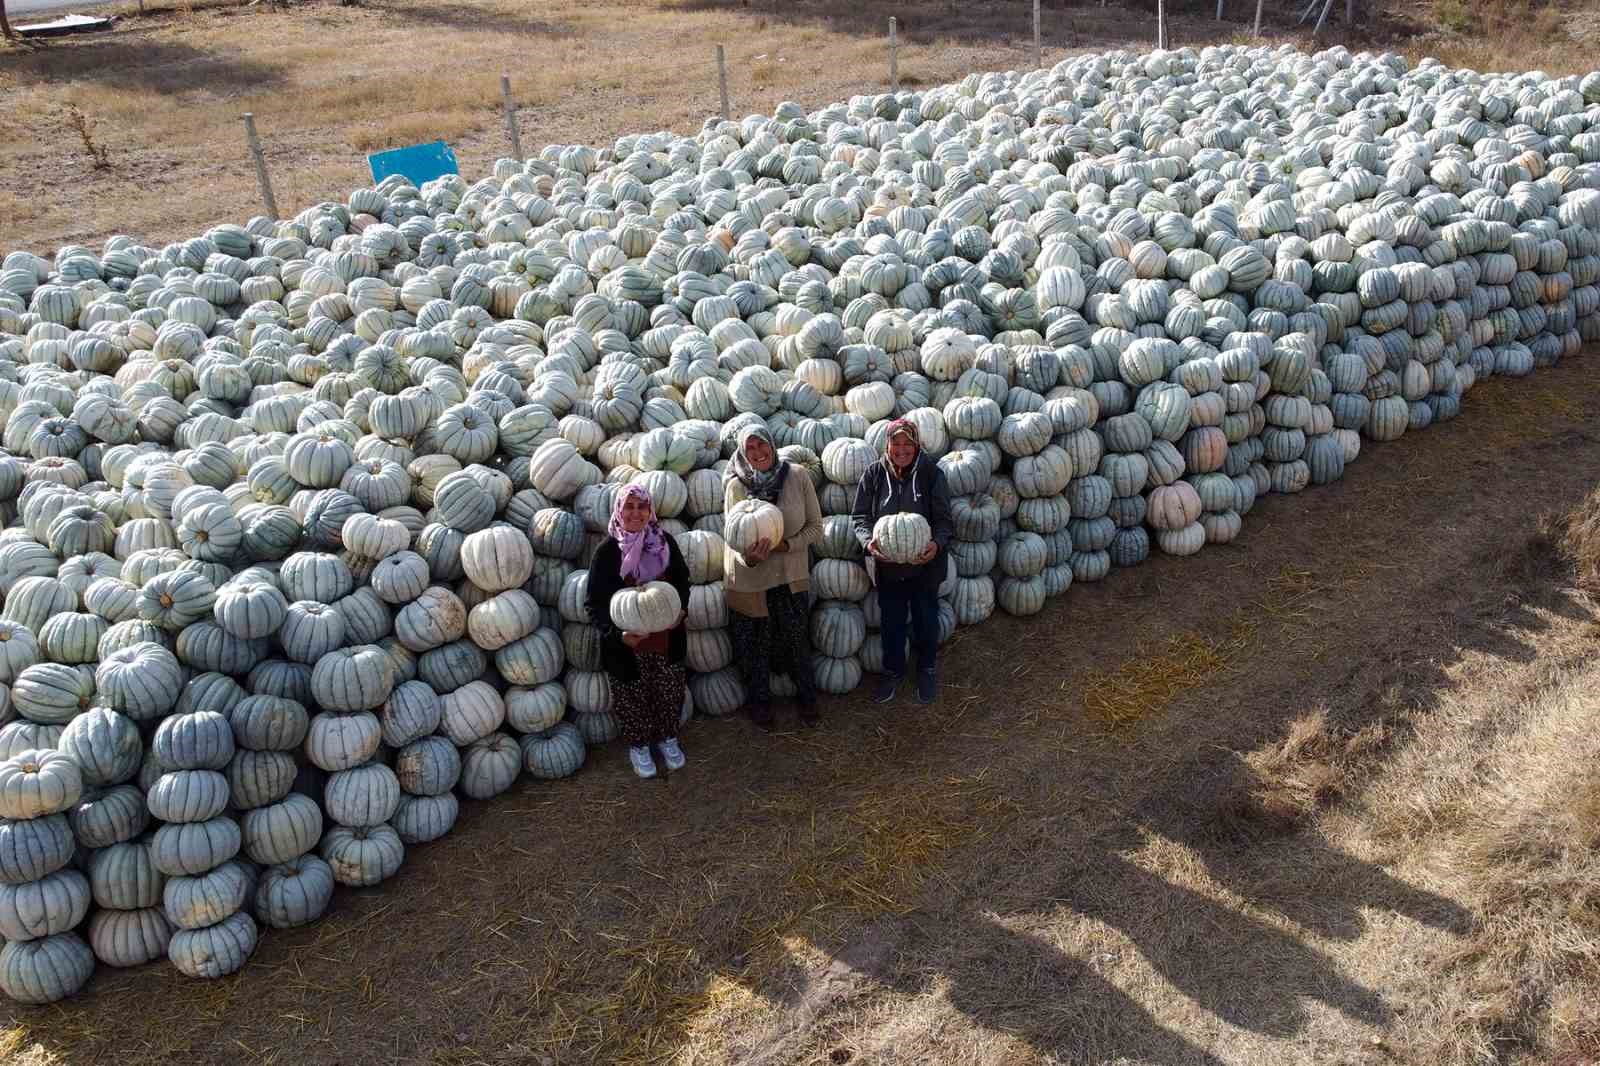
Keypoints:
(765, 485)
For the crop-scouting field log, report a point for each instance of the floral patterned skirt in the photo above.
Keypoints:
(648, 709)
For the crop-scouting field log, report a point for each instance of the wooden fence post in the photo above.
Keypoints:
(261, 163)
(722, 82)
(1038, 46)
(511, 118)
(894, 59)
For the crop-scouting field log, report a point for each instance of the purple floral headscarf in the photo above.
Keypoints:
(644, 554)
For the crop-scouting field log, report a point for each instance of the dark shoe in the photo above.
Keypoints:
(809, 716)
(927, 686)
(888, 685)
(760, 714)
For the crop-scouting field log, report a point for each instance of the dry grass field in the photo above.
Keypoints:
(1330, 794)
(162, 93)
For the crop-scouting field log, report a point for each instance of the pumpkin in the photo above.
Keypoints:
(352, 679)
(555, 752)
(206, 899)
(194, 847)
(363, 796)
(250, 609)
(750, 522)
(53, 904)
(650, 608)
(471, 712)
(339, 741)
(497, 558)
(294, 893)
(188, 796)
(104, 744)
(45, 970)
(489, 766)
(429, 766)
(129, 938)
(34, 784)
(214, 950)
(103, 818)
(421, 819)
(412, 710)
(902, 538)
(362, 856)
(534, 709)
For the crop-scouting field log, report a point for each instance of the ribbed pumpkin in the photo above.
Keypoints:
(129, 938)
(35, 784)
(362, 856)
(214, 950)
(352, 679)
(363, 797)
(649, 608)
(497, 558)
(750, 522)
(903, 537)
(53, 904)
(45, 970)
(294, 893)
(489, 766)
(206, 899)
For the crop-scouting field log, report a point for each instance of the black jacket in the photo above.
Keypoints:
(605, 579)
(925, 492)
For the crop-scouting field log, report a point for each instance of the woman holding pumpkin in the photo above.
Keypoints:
(906, 481)
(767, 586)
(645, 667)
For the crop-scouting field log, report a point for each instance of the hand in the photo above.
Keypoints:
(928, 553)
(758, 552)
(681, 616)
(782, 546)
(874, 551)
(633, 640)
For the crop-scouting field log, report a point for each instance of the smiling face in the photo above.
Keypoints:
(760, 454)
(901, 451)
(635, 513)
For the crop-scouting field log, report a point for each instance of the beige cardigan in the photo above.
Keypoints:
(744, 585)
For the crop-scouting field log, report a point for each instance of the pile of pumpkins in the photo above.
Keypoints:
(296, 513)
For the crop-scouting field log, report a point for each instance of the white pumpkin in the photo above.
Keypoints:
(902, 538)
(649, 608)
(751, 522)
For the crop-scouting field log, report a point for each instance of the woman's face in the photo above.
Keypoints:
(635, 513)
(760, 454)
(901, 450)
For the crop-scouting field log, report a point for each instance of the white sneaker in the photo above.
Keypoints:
(671, 754)
(643, 764)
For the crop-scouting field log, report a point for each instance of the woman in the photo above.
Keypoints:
(646, 669)
(906, 480)
(767, 587)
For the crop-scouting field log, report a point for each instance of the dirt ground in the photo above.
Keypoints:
(1005, 877)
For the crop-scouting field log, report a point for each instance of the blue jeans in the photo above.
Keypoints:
(918, 601)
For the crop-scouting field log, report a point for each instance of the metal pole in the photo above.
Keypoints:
(511, 118)
(1349, 12)
(722, 82)
(1258, 17)
(894, 60)
(1161, 24)
(1326, 7)
(261, 163)
(1038, 47)
(1219, 10)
